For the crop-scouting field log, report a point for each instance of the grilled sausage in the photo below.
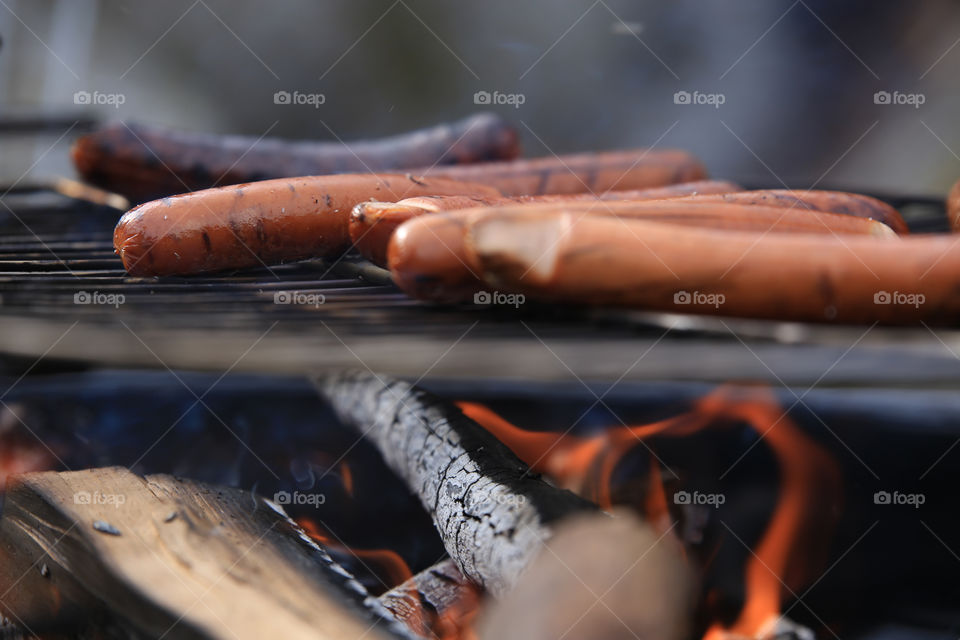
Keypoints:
(580, 173)
(428, 258)
(559, 257)
(372, 223)
(144, 163)
(953, 207)
(852, 204)
(259, 223)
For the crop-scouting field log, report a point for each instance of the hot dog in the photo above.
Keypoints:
(372, 223)
(259, 223)
(852, 204)
(559, 257)
(581, 173)
(144, 163)
(428, 258)
(953, 207)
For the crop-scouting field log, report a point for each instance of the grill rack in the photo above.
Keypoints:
(55, 246)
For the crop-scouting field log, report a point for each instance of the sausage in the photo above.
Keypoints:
(144, 163)
(558, 256)
(372, 223)
(953, 207)
(580, 173)
(428, 259)
(259, 223)
(852, 204)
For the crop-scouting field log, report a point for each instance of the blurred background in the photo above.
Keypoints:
(764, 92)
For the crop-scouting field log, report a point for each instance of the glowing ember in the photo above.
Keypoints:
(456, 623)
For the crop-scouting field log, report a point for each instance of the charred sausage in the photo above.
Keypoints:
(259, 223)
(144, 163)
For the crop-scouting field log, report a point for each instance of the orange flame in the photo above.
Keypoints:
(346, 477)
(387, 565)
(586, 464)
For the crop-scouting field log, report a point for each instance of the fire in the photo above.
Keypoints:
(782, 557)
(346, 476)
(387, 565)
(456, 622)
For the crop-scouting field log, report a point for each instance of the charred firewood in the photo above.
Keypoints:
(427, 596)
(164, 557)
(492, 513)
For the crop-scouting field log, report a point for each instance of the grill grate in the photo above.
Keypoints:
(56, 248)
(42, 268)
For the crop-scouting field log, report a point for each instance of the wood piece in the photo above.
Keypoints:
(426, 596)
(598, 578)
(169, 558)
(491, 511)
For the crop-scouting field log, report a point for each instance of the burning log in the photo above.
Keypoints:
(492, 513)
(164, 557)
(432, 594)
(607, 578)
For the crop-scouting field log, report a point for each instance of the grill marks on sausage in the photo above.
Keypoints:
(261, 232)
